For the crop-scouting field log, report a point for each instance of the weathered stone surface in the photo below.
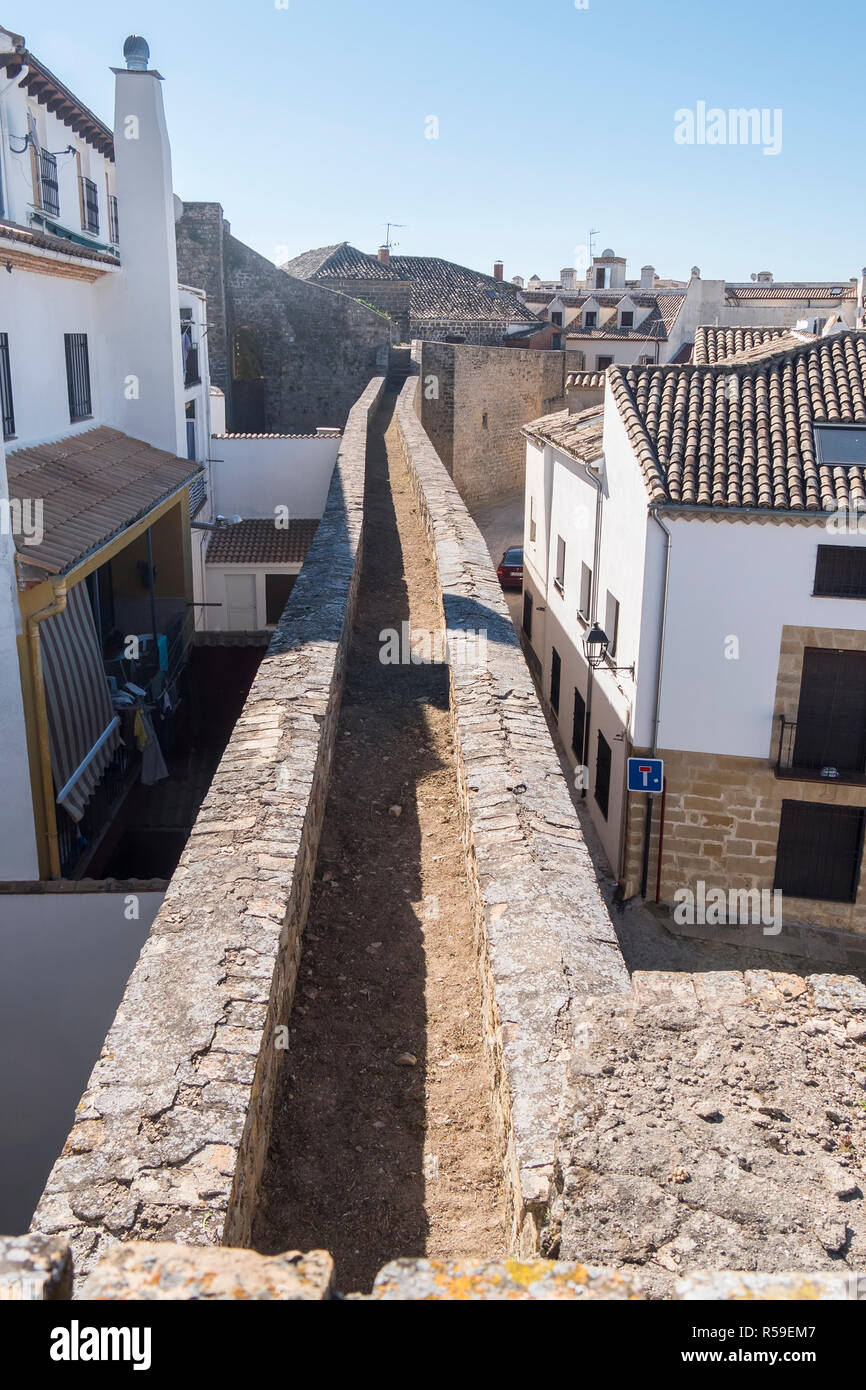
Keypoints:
(149, 1270)
(34, 1268)
(792, 1288)
(544, 934)
(477, 1280)
(170, 1135)
(728, 1137)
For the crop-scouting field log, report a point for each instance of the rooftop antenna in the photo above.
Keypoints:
(593, 233)
(388, 226)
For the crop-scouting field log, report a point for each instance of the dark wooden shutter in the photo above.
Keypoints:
(602, 775)
(578, 728)
(819, 851)
(527, 613)
(831, 716)
(555, 674)
(840, 571)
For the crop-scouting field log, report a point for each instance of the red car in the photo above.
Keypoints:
(510, 571)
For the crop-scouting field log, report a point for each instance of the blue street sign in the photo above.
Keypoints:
(645, 774)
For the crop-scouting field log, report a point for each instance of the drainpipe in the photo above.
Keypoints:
(658, 693)
(57, 605)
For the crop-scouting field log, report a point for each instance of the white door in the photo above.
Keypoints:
(241, 603)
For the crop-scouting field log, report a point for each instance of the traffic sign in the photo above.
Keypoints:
(645, 774)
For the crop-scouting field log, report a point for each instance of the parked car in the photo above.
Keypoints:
(510, 571)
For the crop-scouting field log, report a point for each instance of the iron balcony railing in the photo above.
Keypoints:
(6, 406)
(49, 188)
(78, 376)
(113, 224)
(90, 205)
(814, 751)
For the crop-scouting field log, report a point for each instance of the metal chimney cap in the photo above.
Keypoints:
(136, 51)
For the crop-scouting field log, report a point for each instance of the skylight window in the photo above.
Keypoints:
(841, 446)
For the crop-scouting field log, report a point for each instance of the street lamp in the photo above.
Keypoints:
(596, 644)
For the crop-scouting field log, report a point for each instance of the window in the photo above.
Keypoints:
(527, 612)
(842, 446)
(113, 224)
(600, 278)
(578, 726)
(532, 527)
(626, 318)
(189, 349)
(611, 623)
(78, 376)
(602, 775)
(8, 410)
(191, 450)
(556, 342)
(840, 571)
(819, 851)
(89, 206)
(556, 318)
(555, 676)
(602, 363)
(559, 578)
(585, 591)
(49, 188)
(277, 590)
(831, 716)
(590, 318)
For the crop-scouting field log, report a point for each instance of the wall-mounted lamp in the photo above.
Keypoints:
(595, 645)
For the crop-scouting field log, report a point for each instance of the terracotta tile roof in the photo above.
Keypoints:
(261, 543)
(833, 291)
(340, 262)
(578, 434)
(587, 380)
(93, 486)
(442, 291)
(684, 354)
(742, 435)
(714, 344)
(334, 433)
(29, 236)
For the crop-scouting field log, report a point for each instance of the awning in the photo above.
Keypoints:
(80, 712)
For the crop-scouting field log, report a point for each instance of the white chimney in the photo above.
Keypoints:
(647, 277)
(144, 391)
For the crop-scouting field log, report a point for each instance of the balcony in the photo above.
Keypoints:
(49, 188)
(820, 751)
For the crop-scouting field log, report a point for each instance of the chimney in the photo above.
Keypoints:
(385, 255)
(144, 393)
(497, 270)
(647, 277)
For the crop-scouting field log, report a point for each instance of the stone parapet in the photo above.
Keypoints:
(169, 1137)
(544, 936)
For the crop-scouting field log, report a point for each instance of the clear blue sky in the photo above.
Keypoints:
(308, 123)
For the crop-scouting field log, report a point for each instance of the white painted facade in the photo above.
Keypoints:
(734, 582)
(117, 285)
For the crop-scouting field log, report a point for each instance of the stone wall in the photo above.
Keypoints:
(319, 348)
(472, 404)
(544, 937)
(170, 1135)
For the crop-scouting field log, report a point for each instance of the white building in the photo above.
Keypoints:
(693, 517)
(105, 404)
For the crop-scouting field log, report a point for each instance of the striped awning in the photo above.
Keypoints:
(82, 730)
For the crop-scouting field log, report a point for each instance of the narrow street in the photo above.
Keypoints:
(382, 1143)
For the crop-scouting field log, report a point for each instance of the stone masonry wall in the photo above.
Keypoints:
(170, 1135)
(544, 937)
(319, 348)
(485, 395)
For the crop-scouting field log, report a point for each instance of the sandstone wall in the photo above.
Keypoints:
(543, 933)
(473, 403)
(169, 1137)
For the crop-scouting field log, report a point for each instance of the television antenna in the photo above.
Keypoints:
(388, 226)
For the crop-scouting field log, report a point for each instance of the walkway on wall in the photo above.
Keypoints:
(382, 1142)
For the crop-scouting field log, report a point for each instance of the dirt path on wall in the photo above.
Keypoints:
(382, 1142)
